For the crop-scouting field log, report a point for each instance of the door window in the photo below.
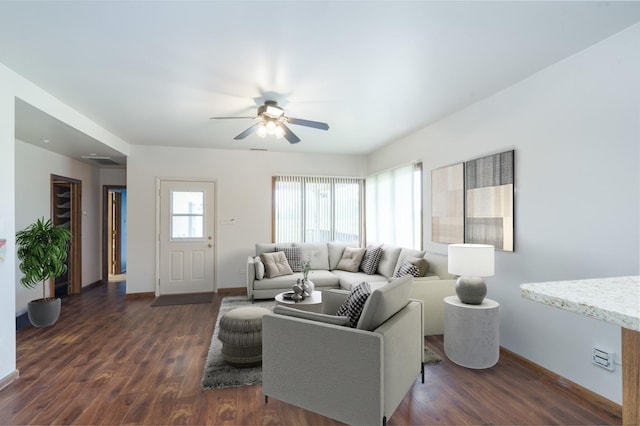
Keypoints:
(187, 215)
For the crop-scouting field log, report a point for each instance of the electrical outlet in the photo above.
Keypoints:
(603, 358)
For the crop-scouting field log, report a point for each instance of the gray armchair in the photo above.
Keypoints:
(353, 375)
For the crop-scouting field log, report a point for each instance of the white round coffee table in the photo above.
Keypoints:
(312, 303)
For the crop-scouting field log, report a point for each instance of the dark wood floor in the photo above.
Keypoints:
(114, 361)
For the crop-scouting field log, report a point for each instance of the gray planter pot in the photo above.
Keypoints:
(44, 313)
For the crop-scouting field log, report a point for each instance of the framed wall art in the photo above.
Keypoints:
(489, 185)
(447, 204)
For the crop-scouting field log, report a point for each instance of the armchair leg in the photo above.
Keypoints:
(384, 420)
(422, 372)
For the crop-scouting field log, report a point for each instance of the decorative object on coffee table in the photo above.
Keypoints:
(471, 262)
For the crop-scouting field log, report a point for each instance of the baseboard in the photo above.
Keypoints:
(6, 381)
(232, 290)
(22, 321)
(574, 388)
(144, 295)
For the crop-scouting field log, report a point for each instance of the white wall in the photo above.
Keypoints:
(7, 228)
(34, 167)
(576, 134)
(13, 86)
(244, 194)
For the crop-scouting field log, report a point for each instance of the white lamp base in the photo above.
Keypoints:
(471, 290)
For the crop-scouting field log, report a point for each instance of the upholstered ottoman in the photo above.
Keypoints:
(241, 336)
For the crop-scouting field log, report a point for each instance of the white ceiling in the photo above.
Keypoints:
(153, 73)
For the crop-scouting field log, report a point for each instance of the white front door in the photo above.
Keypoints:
(187, 249)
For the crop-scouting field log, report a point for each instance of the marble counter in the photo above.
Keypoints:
(614, 300)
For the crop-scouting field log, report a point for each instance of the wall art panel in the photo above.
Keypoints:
(489, 184)
(447, 204)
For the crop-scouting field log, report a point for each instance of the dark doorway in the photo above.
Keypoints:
(114, 232)
(66, 211)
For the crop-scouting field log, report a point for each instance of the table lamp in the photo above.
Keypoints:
(471, 262)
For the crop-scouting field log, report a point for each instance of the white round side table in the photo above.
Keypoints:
(472, 332)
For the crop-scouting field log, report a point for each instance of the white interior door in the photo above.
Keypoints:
(187, 249)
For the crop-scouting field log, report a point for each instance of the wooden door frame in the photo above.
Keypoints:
(105, 230)
(75, 253)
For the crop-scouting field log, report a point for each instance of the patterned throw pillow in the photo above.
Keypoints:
(294, 257)
(371, 259)
(352, 306)
(407, 268)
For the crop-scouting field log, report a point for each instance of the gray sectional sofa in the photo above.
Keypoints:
(324, 258)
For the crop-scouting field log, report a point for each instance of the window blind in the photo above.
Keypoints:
(317, 209)
(394, 206)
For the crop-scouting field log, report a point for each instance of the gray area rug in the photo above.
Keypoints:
(218, 374)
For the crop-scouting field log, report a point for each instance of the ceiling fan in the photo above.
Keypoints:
(271, 120)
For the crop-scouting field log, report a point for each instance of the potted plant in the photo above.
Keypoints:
(42, 251)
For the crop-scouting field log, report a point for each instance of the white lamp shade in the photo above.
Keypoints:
(471, 260)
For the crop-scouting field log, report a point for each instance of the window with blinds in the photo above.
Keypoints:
(317, 209)
(394, 206)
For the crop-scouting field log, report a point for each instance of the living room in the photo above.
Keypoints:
(574, 129)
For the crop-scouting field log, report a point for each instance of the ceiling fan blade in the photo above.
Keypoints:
(289, 135)
(226, 118)
(247, 132)
(308, 123)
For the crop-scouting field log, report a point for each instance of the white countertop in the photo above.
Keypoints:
(614, 300)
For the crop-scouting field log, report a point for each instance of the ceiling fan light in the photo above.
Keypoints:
(271, 127)
(279, 132)
(274, 111)
(262, 131)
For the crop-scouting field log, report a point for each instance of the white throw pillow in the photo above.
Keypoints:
(259, 267)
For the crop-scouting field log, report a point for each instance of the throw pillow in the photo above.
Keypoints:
(353, 305)
(259, 268)
(293, 256)
(407, 268)
(275, 264)
(420, 262)
(351, 259)
(370, 260)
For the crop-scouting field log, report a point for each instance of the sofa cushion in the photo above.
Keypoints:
(370, 260)
(314, 316)
(349, 279)
(335, 252)
(351, 259)
(276, 264)
(407, 268)
(353, 305)
(420, 262)
(404, 252)
(316, 253)
(259, 267)
(388, 261)
(384, 302)
(268, 247)
(293, 255)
